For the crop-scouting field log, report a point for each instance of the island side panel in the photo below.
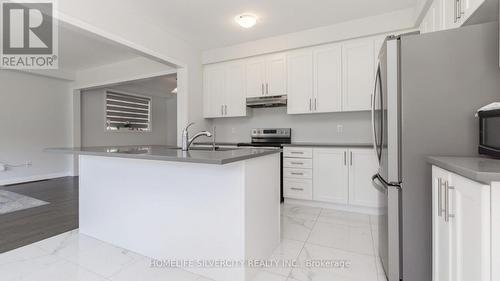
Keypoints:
(495, 231)
(262, 208)
(166, 210)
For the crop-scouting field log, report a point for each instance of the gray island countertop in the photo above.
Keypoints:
(169, 153)
(481, 169)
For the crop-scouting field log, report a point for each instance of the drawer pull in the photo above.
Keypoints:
(297, 163)
(297, 152)
(296, 188)
(297, 174)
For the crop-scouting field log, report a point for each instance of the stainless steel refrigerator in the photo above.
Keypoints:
(427, 89)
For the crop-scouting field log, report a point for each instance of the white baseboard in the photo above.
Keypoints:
(334, 206)
(35, 178)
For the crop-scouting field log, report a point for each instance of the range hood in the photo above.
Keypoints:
(267, 101)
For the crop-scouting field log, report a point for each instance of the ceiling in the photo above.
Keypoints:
(78, 50)
(210, 24)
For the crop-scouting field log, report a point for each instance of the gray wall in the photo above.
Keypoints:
(164, 121)
(305, 127)
(35, 113)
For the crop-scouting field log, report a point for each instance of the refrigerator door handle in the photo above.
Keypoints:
(379, 184)
(374, 97)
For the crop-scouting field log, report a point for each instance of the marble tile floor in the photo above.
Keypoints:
(324, 245)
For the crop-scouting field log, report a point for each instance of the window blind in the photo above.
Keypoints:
(127, 112)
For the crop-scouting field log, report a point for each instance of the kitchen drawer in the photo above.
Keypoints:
(303, 163)
(297, 173)
(297, 152)
(297, 189)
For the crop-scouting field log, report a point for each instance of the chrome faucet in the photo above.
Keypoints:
(186, 141)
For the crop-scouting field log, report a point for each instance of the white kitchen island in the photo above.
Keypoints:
(191, 209)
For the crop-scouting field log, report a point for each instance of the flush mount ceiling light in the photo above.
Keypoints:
(246, 20)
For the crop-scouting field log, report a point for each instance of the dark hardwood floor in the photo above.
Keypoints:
(24, 227)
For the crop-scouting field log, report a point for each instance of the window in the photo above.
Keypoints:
(126, 112)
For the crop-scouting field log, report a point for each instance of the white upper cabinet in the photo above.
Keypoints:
(300, 81)
(448, 14)
(235, 97)
(255, 77)
(266, 76)
(468, 7)
(315, 80)
(276, 75)
(362, 166)
(330, 175)
(327, 78)
(224, 90)
(214, 87)
(358, 74)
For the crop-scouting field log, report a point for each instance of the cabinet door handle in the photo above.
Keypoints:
(225, 109)
(455, 11)
(345, 158)
(447, 189)
(262, 88)
(440, 199)
(267, 89)
(350, 156)
(296, 188)
(310, 104)
(315, 104)
(221, 109)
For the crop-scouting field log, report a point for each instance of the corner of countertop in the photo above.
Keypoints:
(478, 168)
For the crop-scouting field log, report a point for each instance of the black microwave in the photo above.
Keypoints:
(489, 133)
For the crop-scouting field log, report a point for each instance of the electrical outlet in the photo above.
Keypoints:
(340, 129)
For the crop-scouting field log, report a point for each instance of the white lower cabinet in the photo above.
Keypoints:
(362, 166)
(297, 188)
(340, 176)
(330, 175)
(461, 219)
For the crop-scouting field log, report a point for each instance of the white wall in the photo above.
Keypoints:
(163, 119)
(305, 128)
(35, 113)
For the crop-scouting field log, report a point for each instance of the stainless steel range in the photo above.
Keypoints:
(270, 138)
